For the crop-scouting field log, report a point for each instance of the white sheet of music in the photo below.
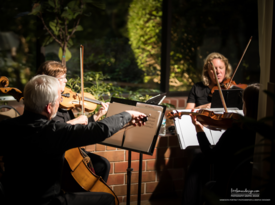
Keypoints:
(186, 131)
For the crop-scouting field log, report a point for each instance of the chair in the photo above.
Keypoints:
(8, 114)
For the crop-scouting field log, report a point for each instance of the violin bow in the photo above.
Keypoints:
(82, 77)
(220, 90)
(228, 85)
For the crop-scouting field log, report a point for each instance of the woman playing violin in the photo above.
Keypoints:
(199, 96)
(56, 69)
(231, 151)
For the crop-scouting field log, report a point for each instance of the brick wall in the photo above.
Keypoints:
(162, 173)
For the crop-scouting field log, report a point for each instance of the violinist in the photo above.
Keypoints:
(34, 177)
(223, 156)
(200, 95)
(56, 69)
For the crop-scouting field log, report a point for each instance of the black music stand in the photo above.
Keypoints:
(232, 98)
(156, 100)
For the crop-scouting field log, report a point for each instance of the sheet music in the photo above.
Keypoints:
(139, 138)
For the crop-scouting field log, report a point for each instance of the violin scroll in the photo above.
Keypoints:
(16, 93)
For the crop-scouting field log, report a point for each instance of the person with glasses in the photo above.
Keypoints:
(59, 71)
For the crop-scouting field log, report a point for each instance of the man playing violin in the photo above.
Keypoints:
(34, 176)
(200, 94)
(231, 151)
(56, 69)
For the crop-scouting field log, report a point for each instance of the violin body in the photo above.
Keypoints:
(77, 176)
(72, 100)
(225, 85)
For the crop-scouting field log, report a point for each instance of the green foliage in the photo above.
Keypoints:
(61, 20)
(17, 47)
(95, 85)
(144, 26)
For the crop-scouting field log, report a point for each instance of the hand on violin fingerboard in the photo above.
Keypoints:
(82, 119)
(198, 125)
(102, 111)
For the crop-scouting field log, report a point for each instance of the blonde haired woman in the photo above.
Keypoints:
(199, 96)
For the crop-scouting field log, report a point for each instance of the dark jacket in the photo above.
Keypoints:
(33, 149)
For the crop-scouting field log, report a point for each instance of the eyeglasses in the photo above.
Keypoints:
(62, 78)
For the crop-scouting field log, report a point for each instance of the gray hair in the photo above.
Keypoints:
(39, 92)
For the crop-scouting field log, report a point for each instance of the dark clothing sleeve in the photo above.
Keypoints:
(71, 136)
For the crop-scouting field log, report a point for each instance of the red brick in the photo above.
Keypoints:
(123, 166)
(111, 168)
(146, 156)
(110, 148)
(150, 187)
(146, 177)
(182, 103)
(90, 148)
(112, 156)
(134, 155)
(166, 100)
(115, 179)
(121, 190)
(174, 102)
(100, 147)
(120, 199)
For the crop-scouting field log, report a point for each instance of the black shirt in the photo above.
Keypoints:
(199, 94)
(33, 152)
(232, 149)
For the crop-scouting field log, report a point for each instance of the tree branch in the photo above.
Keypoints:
(54, 37)
(78, 20)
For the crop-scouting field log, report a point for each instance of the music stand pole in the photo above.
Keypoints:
(139, 177)
(129, 173)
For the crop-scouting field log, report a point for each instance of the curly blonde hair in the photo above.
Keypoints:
(228, 69)
(52, 68)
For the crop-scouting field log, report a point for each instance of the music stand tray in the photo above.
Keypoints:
(232, 98)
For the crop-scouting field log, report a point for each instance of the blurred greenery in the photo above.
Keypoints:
(17, 43)
(122, 39)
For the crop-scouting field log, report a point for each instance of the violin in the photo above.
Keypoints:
(229, 83)
(225, 85)
(209, 119)
(71, 99)
(16, 93)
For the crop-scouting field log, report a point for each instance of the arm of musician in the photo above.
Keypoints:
(208, 105)
(102, 111)
(190, 106)
(82, 119)
(197, 124)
